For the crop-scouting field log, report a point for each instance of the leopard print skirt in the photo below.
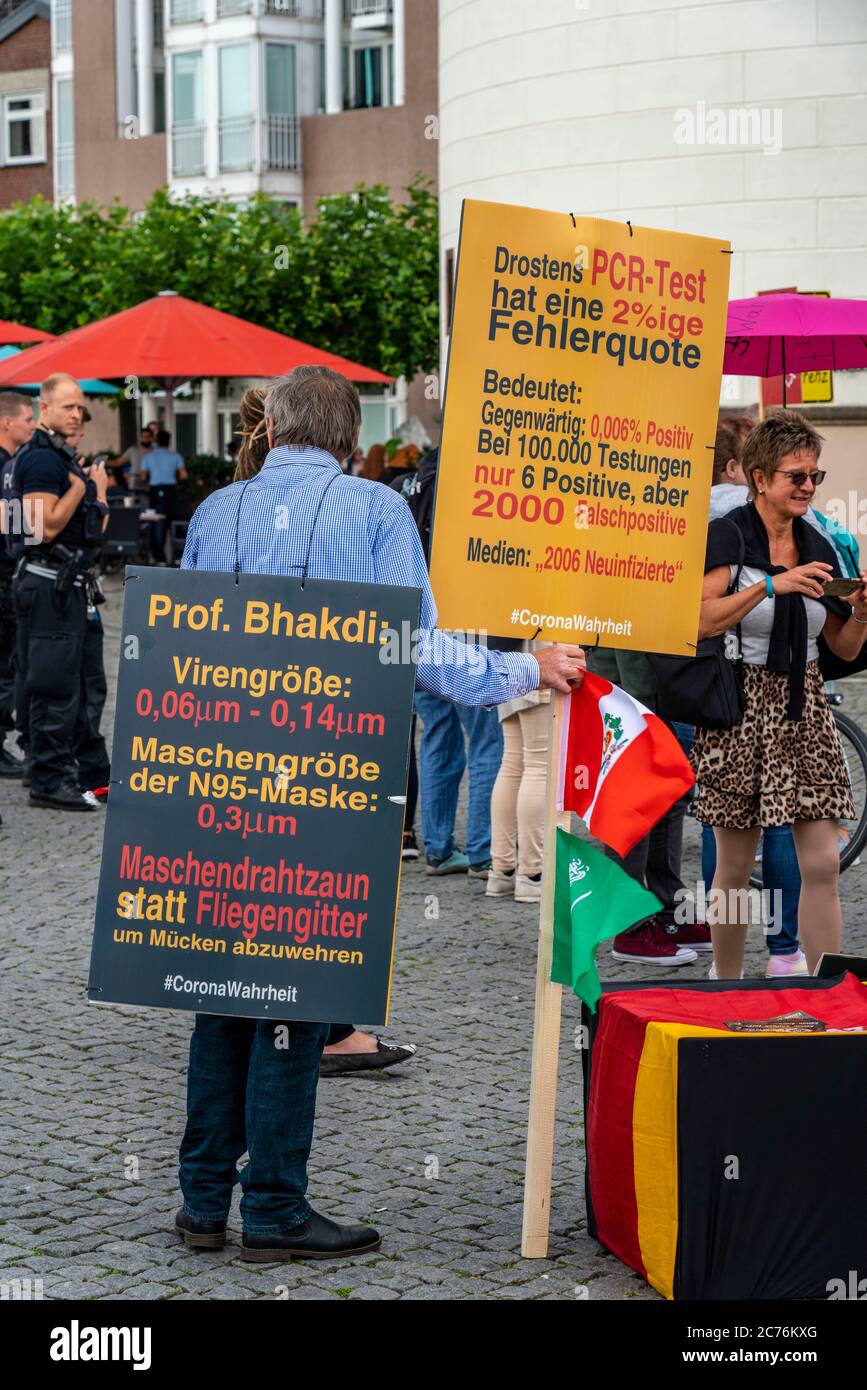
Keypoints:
(768, 769)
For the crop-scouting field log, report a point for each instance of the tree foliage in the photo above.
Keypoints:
(360, 279)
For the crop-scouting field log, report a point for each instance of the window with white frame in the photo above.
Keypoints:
(236, 108)
(64, 140)
(367, 84)
(24, 128)
(61, 26)
(282, 130)
(188, 128)
(368, 75)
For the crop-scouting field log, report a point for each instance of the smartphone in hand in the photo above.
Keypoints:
(840, 588)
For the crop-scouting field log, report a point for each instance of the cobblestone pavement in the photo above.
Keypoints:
(92, 1103)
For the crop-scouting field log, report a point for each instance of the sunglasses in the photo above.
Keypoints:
(797, 478)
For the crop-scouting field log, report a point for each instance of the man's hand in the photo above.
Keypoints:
(98, 474)
(560, 668)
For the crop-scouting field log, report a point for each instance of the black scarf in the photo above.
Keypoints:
(787, 652)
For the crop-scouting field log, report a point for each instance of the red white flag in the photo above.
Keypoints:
(621, 767)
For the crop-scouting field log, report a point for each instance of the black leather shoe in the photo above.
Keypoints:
(202, 1235)
(344, 1063)
(65, 798)
(317, 1238)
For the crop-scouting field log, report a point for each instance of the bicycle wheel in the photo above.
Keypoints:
(854, 742)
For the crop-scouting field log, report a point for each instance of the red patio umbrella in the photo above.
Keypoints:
(13, 333)
(171, 340)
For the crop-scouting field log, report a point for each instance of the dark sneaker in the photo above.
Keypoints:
(64, 798)
(694, 935)
(201, 1235)
(343, 1063)
(456, 863)
(650, 944)
(9, 766)
(410, 845)
(317, 1238)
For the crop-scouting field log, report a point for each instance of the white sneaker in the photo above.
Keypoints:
(793, 964)
(500, 885)
(712, 975)
(527, 890)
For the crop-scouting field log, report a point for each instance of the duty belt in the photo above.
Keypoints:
(46, 572)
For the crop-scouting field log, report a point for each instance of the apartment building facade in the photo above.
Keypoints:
(26, 145)
(223, 96)
(292, 98)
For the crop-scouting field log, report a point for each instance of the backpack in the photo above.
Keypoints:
(843, 542)
(418, 492)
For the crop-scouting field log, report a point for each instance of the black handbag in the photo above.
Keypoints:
(707, 689)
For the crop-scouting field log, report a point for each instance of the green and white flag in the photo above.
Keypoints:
(594, 899)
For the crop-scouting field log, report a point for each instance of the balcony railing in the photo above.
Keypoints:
(366, 9)
(282, 149)
(291, 8)
(236, 144)
(230, 7)
(61, 26)
(188, 148)
(64, 172)
(186, 11)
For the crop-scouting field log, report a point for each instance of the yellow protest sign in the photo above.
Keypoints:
(581, 403)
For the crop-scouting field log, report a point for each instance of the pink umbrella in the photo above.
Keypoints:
(773, 334)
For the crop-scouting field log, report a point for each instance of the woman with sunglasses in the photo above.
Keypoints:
(782, 763)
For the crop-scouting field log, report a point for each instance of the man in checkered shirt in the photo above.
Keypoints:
(244, 1093)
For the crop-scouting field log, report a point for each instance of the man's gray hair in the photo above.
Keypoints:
(314, 408)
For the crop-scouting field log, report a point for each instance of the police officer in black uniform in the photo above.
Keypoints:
(56, 592)
(16, 427)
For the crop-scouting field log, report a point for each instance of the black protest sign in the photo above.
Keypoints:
(252, 845)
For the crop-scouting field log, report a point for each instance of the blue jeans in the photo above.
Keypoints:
(251, 1091)
(780, 875)
(780, 872)
(442, 760)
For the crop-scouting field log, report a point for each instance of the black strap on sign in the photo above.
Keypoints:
(306, 566)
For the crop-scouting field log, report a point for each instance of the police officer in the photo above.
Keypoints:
(16, 427)
(56, 592)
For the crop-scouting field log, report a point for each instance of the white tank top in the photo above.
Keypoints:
(756, 626)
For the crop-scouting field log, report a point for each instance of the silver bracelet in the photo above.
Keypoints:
(862, 621)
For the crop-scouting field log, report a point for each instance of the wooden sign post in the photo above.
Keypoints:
(546, 1022)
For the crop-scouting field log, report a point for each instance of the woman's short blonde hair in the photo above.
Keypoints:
(767, 444)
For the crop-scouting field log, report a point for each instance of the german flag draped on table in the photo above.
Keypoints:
(724, 1164)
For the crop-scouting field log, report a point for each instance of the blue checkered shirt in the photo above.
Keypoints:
(365, 534)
